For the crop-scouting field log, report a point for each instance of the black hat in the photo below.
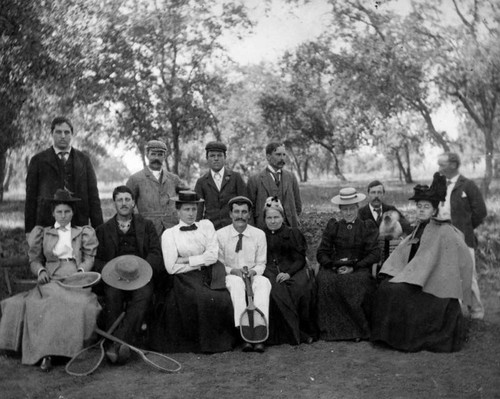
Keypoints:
(216, 146)
(435, 193)
(187, 197)
(62, 195)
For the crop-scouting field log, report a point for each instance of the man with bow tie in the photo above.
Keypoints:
(465, 206)
(273, 181)
(243, 245)
(376, 207)
(154, 186)
(61, 167)
(218, 186)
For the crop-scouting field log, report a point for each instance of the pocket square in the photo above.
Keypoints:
(464, 195)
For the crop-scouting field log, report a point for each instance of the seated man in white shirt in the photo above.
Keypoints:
(243, 245)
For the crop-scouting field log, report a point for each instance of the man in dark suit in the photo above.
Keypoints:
(273, 181)
(127, 233)
(61, 167)
(376, 207)
(218, 186)
(465, 206)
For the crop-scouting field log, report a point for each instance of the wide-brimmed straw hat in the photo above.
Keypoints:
(187, 197)
(348, 196)
(127, 272)
(80, 280)
(62, 195)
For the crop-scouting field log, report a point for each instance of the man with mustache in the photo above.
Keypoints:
(273, 181)
(127, 233)
(218, 186)
(154, 186)
(376, 207)
(243, 245)
(61, 167)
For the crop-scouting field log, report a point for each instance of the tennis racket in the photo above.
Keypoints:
(89, 359)
(159, 361)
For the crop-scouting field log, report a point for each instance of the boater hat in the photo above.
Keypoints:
(348, 196)
(187, 197)
(127, 272)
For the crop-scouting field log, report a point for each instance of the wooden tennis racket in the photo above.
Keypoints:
(159, 361)
(89, 359)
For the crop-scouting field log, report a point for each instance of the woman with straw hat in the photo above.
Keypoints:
(417, 306)
(347, 251)
(196, 314)
(51, 320)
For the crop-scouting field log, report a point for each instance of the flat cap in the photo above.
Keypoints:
(156, 144)
(216, 146)
(240, 199)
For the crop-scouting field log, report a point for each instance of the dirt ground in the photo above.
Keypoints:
(322, 370)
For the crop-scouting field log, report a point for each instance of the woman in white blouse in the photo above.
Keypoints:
(196, 312)
(51, 320)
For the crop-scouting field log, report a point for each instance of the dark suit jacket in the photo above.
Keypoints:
(262, 185)
(45, 177)
(365, 213)
(468, 209)
(215, 207)
(148, 243)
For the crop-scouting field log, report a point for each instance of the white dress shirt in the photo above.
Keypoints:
(66, 155)
(199, 245)
(375, 214)
(253, 252)
(218, 181)
(445, 207)
(156, 173)
(63, 248)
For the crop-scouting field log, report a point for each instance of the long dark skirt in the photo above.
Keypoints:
(291, 310)
(193, 318)
(344, 304)
(411, 320)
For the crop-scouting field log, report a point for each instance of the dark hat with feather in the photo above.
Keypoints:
(434, 194)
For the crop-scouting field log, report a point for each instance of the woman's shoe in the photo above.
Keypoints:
(46, 364)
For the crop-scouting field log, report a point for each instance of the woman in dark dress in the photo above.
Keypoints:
(417, 305)
(197, 313)
(291, 306)
(347, 251)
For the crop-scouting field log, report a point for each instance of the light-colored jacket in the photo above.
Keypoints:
(42, 241)
(152, 197)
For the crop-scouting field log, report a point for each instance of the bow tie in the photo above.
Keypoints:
(189, 228)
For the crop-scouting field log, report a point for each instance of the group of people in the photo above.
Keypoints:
(176, 261)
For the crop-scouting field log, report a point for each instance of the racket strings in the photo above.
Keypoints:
(161, 361)
(84, 362)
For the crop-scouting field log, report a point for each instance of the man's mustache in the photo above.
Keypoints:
(240, 220)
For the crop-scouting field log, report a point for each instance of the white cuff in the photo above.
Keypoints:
(42, 269)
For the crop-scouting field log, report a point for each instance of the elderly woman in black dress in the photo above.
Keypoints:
(347, 251)
(417, 305)
(291, 306)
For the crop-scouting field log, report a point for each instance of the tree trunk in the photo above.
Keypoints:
(175, 144)
(296, 161)
(488, 160)
(6, 184)
(336, 168)
(3, 162)
(409, 178)
(306, 170)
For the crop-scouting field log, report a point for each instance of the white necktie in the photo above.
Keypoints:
(218, 180)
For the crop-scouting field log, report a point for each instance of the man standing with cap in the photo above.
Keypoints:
(376, 207)
(61, 167)
(275, 182)
(218, 186)
(243, 245)
(127, 277)
(153, 187)
(465, 206)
